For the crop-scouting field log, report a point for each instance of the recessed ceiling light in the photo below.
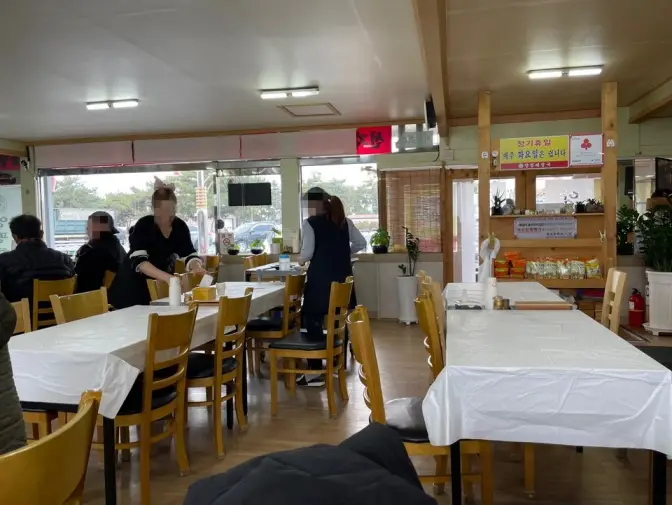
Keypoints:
(584, 71)
(125, 104)
(544, 74)
(275, 94)
(97, 106)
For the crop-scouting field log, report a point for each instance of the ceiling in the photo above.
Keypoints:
(493, 43)
(197, 65)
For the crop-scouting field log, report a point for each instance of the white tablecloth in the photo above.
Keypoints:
(515, 291)
(105, 352)
(556, 377)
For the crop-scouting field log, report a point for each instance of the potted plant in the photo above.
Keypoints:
(407, 285)
(233, 249)
(380, 241)
(625, 230)
(655, 231)
(594, 206)
(580, 207)
(257, 246)
(276, 241)
(497, 204)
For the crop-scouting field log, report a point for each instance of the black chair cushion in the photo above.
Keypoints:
(133, 402)
(300, 342)
(202, 366)
(404, 415)
(265, 324)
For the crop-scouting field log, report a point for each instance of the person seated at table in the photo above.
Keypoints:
(12, 428)
(156, 242)
(370, 467)
(328, 241)
(101, 253)
(31, 259)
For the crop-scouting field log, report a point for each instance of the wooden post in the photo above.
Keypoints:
(382, 201)
(483, 165)
(610, 169)
(446, 187)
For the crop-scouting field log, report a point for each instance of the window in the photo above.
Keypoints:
(414, 202)
(250, 223)
(555, 192)
(355, 184)
(68, 200)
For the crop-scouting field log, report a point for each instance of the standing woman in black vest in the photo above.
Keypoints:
(328, 241)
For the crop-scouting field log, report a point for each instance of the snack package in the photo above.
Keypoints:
(501, 273)
(533, 270)
(577, 269)
(510, 256)
(550, 269)
(593, 269)
(501, 263)
(563, 269)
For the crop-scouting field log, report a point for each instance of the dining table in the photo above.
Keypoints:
(547, 377)
(53, 366)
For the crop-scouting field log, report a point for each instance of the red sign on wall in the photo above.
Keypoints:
(9, 162)
(374, 140)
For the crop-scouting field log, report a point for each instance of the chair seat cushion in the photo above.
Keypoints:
(202, 366)
(133, 403)
(264, 324)
(300, 342)
(404, 415)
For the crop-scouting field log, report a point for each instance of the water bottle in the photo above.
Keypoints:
(284, 262)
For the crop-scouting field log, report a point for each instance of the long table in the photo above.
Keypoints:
(53, 366)
(514, 291)
(554, 377)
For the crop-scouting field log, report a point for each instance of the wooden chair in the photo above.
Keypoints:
(108, 278)
(157, 289)
(212, 371)
(159, 394)
(42, 291)
(420, 277)
(427, 320)
(613, 298)
(295, 346)
(260, 330)
(74, 307)
(254, 261)
(38, 420)
(180, 267)
(52, 471)
(212, 265)
(190, 280)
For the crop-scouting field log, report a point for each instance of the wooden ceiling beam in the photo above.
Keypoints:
(643, 108)
(530, 117)
(431, 18)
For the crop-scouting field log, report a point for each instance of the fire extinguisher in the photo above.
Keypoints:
(636, 309)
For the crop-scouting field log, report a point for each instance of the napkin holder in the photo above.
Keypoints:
(201, 294)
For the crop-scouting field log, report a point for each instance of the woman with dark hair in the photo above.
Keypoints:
(155, 243)
(328, 241)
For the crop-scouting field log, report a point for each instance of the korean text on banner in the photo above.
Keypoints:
(585, 150)
(545, 227)
(534, 152)
(374, 140)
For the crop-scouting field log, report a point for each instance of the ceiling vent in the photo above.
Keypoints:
(311, 110)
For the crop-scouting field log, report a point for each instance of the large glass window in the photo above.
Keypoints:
(70, 199)
(556, 191)
(355, 184)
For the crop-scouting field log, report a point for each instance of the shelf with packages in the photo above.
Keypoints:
(563, 283)
(580, 215)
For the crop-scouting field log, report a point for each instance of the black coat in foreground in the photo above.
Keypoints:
(371, 467)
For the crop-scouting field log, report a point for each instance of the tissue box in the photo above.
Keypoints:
(204, 294)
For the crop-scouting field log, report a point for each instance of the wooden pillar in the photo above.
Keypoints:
(610, 169)
(483, 165)
(447, 231)
(382, 201)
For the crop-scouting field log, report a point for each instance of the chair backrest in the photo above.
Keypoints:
(613, 298)
(428, 324)
(433, 291)
(167, 332)
(190, 280)
(291, 310)
(420, 277)
(80, 306)
(212, 264)
(229, 344)
(22, 310)
(365, 354)
(261, 260)
(249, 262)
(52, 470)
(180, 267)
(157, 289)
(339, 299)
(42, 291)
(108, 278)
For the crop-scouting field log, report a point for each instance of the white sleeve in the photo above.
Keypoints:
(357, 240)
(307, 242)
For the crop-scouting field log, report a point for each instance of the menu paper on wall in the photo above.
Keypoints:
(545, 227)
(10, 206)
(586, 150)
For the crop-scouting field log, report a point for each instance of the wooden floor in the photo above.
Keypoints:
(596, 477)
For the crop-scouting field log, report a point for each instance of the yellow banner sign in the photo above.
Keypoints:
(534, 152)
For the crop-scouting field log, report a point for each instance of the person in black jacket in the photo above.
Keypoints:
(101, 253)
(31, 259)
(156, 242)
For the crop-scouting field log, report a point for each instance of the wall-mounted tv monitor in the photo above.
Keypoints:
(252, 193)
(663, 174)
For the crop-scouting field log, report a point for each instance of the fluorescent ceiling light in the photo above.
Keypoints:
(275, 94)
(544, 74)
(97, 106)
(125, 104)
(584, 71)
